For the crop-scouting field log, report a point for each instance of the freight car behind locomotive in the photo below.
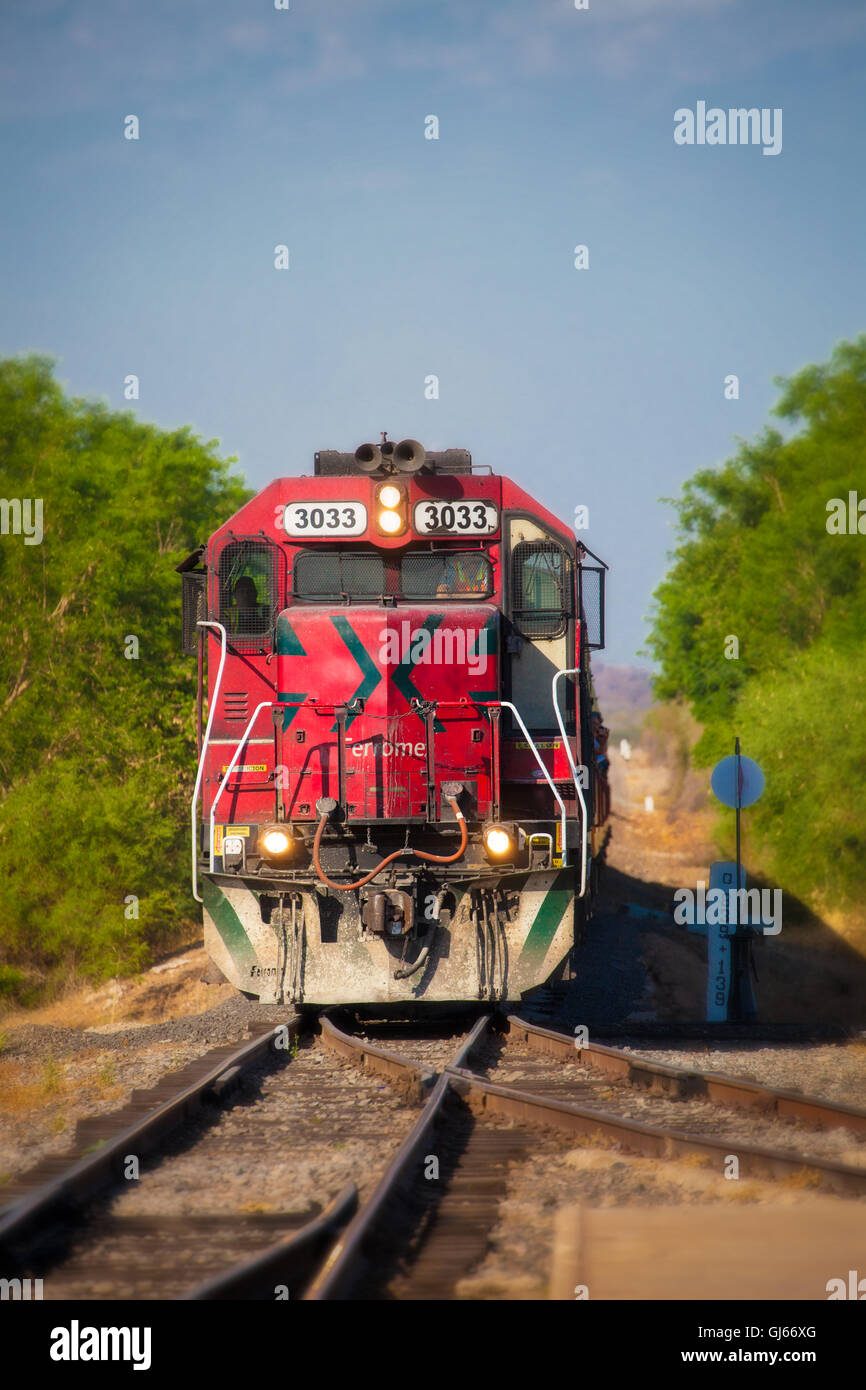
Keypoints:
(398, 795)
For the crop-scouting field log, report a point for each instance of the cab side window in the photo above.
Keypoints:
(246, 577)
(541, 588)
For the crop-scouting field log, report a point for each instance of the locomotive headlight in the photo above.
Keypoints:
(391, 519)
(275, 841)
(497, 841)
(391, 523)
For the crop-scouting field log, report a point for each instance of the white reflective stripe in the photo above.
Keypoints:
(584, 828)
(212, 704)
(217, 742)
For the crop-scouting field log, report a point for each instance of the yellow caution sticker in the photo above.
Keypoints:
(549, 743)
(246, 767)
(221, 831)
(556, 857)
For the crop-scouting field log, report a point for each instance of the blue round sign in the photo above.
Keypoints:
(737, 781)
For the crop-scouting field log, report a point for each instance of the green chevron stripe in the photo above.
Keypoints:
(229, 926)
(288, 644)
(547, 919)
(371, 676)
(402, 676)
(486, 647)
(287, 641)
(291, 697)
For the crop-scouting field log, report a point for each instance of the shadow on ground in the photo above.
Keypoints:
(636, 968)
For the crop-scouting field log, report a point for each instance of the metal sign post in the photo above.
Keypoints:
(737, 782)
(739, 802)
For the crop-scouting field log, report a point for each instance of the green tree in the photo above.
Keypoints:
(96, 749)
(755, 560)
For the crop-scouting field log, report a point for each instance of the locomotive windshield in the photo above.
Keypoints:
(335, 575)
(338, 576)
(445, 574)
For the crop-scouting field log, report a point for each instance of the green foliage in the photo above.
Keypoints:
(805, 726)
(12, 981)
(668, 735)
(96, 750)
(755, 560)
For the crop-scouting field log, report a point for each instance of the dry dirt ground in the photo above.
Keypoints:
(84, 1054)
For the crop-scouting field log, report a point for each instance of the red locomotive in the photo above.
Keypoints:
(398, 794)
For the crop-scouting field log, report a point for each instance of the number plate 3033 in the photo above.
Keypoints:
(456, 518)
(325, 519)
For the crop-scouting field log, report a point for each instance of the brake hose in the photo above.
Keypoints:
(407, 971)
(418, 853)
(458, 854)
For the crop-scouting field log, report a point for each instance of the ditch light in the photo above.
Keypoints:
(275, 842)
(498, 841)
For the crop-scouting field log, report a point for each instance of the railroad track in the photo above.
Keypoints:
(235, 1120)
(419, 1234)
(485, 1103)
(70, 1217)
(61, 1186)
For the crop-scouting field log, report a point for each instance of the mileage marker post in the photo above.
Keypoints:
(737, 782)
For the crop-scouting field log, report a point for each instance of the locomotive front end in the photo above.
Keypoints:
(395, 790)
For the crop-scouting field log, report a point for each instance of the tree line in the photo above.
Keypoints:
(760, 623)
(97, 737)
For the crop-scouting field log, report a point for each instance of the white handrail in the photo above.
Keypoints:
(506, 704)
(265, 704)
(584, 827)
(211, 711)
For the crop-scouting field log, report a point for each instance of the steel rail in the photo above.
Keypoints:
(347, 1259)
(290, 1261)
(293, 1258)
(418, 1080)
(485, 1097)
(667, 1079)
(22, 1221)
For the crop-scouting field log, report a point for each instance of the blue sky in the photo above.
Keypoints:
(410, 256)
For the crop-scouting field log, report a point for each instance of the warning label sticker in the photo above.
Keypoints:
(221, 831)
